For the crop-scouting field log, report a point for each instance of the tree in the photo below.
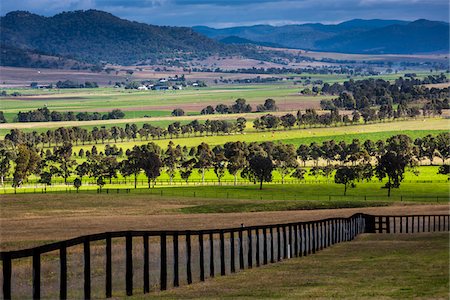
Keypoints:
(178, 112)
(149, 160)
(7, 155)
(172, 158)
(398, 154)
(299, 173)
(260, 168)
(62, 155)
(111, 166)
(209, 110)
(100, 183)
(2, 118)
(269, 105)
(186, 169)
(444, 170)
(443, 145)
(285, 159)
(240, 106)
(219, 162)
(346, 175)
(82, 170)
(130, 166)
(240, 124)
(204, 157)
(288, 121)
(26, 162)
(235, 152)
(77, 183)
(303, 153)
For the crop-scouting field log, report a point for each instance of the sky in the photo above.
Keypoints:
(229, 13)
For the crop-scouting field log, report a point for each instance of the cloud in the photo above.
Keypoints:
(225, 13)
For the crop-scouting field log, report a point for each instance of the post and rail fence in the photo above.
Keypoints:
(186, 256)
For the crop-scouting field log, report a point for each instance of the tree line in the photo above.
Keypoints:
(78, 135)
(45, 115)
(349, 162)
(360, 94)
(238, 107)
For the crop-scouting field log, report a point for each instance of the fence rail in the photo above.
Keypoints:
(238, 248)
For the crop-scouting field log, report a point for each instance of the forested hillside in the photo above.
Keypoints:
(354, 36)
(94, 36)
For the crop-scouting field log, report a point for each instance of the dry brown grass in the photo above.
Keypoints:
(32, 219)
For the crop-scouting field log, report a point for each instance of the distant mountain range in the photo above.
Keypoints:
(91, 37)
(354, 36)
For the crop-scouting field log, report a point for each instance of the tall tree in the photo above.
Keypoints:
(204, 157)
(235, 152)
(285, 159)
(149, 161)
(62, 155)
(260, 169)
(398, 155)
(346, 175)
(172, 160)
(219, 162)
(7, 155)
(26, 163)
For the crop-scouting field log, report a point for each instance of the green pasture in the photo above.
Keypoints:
(373, 266)
(414, 128)
(427, 187)
(143, 100)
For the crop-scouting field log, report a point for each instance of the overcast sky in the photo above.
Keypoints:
(227, 13)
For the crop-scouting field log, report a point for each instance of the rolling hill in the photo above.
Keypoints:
(354, 36)
(95, 36)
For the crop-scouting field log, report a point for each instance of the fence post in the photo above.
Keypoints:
(222, 253)
(241, 250)
(211, 254)
(202, 257)
(87, 268)
(108, 279)
(146, 265)
(278, 243)
(257, 247)
(36, 275)
(188, 258)
(232, 253)
(250, 248)
(63, 272)
(176, 276)
(291, 245)
(370, 224)
(296, 240)
(163, 258)
(6, 276)
(129, 263)
(272, 255)
(265, 245)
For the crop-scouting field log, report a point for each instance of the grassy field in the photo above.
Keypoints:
(414, 128)
(372, 266)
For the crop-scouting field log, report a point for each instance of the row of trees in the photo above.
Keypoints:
(77, 135)
(45, 115)
(253, 161)
(239, 106)
(311, 118)
(359, 94)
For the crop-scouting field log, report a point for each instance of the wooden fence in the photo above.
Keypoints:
(238, 248)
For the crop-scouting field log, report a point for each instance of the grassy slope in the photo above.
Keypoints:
(372, 266)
